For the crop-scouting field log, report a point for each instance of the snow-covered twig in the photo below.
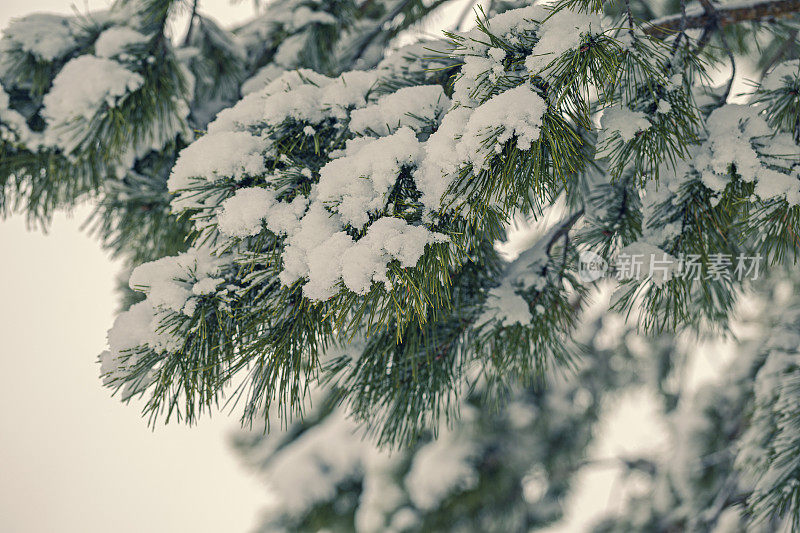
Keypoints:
(724, 16)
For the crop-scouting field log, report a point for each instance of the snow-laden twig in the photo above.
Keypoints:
(723, 16)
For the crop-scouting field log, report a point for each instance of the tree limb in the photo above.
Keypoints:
(561, 229)
(723, 16)
(192, 16)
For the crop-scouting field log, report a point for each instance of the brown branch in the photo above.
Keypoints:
(724, 16)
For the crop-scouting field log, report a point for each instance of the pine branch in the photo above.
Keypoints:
(778, 55)
(723, 16)
(378, 29)
(192, 16)
(563, 229)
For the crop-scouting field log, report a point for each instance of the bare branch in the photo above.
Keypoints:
(723, 16)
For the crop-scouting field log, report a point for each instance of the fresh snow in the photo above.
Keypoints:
(359, 182)
(626, 122)
(461, 140)
(733, 131)
(249, 111)
(414, 107)
(243, 213)
(46, 36)
(172, 285)
(561, 32)
(80, 89)
(322, 252)
(115, 41)
(13, 127)
(218, 155)
(440, 468)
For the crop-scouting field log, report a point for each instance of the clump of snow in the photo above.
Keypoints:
(461, 139)
(13, 127)
(626, 122)
(783, 74)
(242, 214)
(167, 281)
(311, 469)
(206, 286)
(324, 254)
(414, 107)
(82, 88)
(482, 62)
(46, 36)
(506, 306)
(247, 113)
(301, 103)
(442, 158)
(387, 238)
(440, 468)
(136, 327)
(471, 76)
(516, 113)
(359, 182)
(563, 31)
(218, 155)
(514, 21)
(312, 251)
(135, 330)
(664, 107)
(732, 131)
(301, 95)
(313, 102)
(117, 40)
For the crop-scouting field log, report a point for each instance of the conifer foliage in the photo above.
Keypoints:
(310, 210)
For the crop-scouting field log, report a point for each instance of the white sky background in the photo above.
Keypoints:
(73, 459)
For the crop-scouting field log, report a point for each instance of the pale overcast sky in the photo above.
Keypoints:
(73, 459)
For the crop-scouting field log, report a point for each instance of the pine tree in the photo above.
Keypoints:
(332, 233)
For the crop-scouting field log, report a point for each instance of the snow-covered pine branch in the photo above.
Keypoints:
(339, 205)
